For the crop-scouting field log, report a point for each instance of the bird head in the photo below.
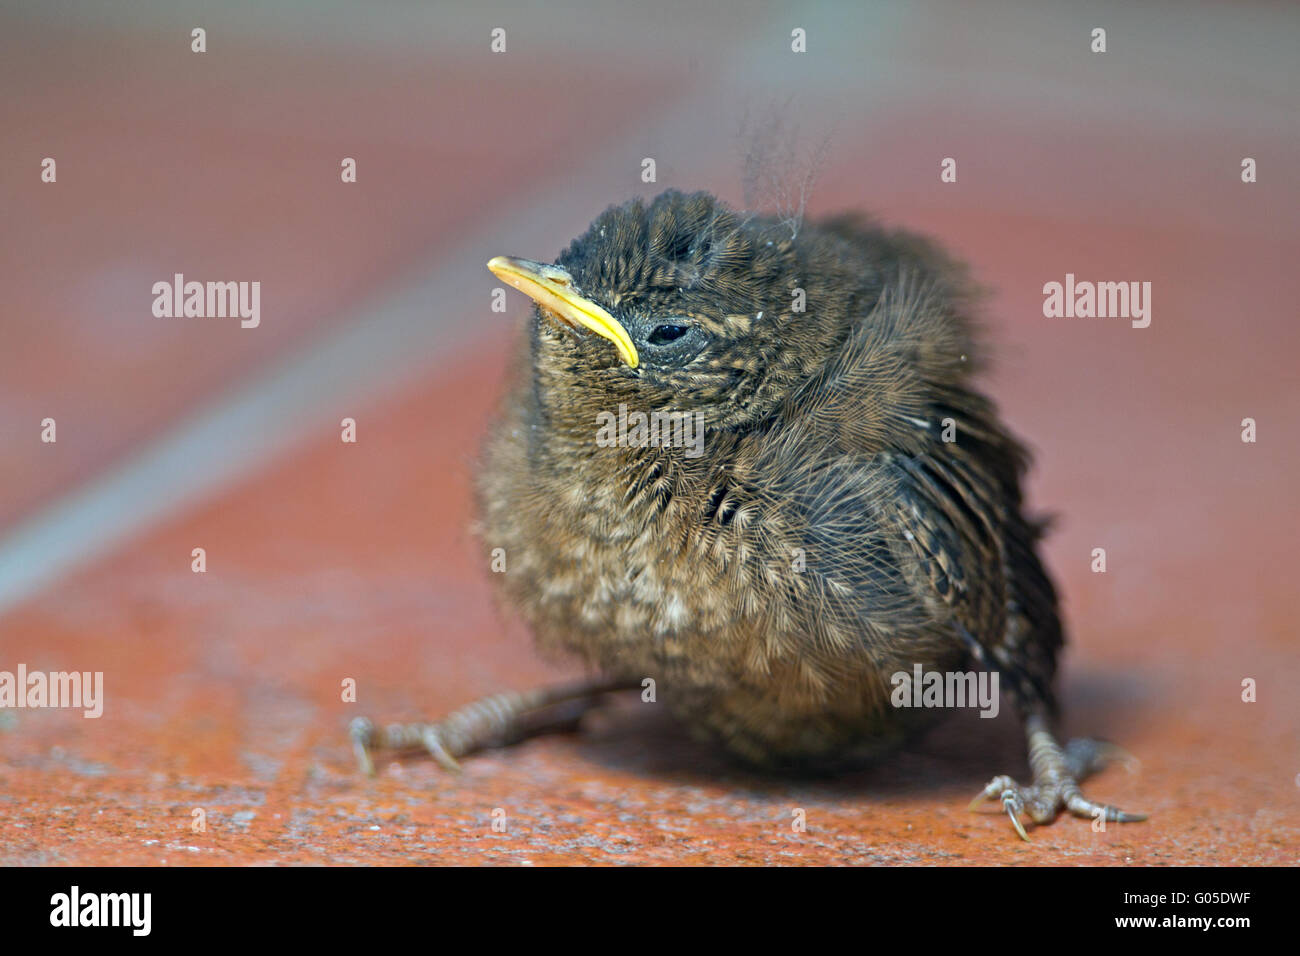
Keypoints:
(685, 305)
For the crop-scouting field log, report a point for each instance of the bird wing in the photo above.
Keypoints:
(911, 474)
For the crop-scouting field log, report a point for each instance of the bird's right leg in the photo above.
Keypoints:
(1057, 774)
(491, 722)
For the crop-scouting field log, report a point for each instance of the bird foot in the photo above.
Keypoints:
(435, 738)
(1056, 783)
(493, 721)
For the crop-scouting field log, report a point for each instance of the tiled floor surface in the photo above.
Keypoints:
(328, 561)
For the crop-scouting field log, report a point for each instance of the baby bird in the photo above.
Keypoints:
(747, 461)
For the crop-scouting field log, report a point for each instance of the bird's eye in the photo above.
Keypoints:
(663, 334)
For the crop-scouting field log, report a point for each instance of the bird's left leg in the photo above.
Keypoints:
(1057, 774)
(493, 721)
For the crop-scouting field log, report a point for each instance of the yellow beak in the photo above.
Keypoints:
(551, 288)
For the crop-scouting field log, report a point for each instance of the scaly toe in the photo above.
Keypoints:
(432, 741)
(1084, 757)
(362, 732)
(1081, 806)
(996, 787)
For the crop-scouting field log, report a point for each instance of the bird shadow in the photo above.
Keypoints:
(961, 753)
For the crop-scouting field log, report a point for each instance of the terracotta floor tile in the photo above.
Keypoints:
(344, 561)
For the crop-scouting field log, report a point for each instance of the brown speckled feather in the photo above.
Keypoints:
(827, 537)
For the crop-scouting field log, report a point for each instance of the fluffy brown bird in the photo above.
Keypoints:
(751, 465)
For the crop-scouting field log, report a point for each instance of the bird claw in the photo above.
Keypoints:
(362, 732)
(366, 739)
(1012, 803)
(433, 743)
(997, 786)
(1056, 783)
(1085, 757)
(1045, 800)
(1008, 791)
